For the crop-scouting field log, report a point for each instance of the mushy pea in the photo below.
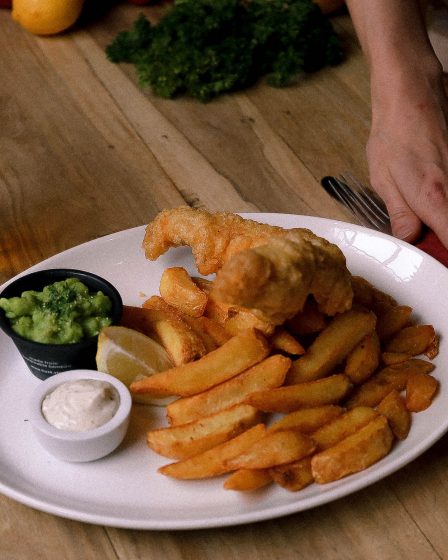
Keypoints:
(62, 313)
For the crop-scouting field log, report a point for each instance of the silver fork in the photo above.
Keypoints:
(362, 201)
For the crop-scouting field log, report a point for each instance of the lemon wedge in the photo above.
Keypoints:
(129, 355)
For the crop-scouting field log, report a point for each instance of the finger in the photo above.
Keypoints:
(432, 203)
(405, 223)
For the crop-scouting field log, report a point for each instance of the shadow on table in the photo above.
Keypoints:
(94, 11)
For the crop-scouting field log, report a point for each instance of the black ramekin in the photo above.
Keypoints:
(45, 360)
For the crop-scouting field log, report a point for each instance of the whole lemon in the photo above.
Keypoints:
(46, 17)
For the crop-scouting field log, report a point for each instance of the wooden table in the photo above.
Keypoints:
(85, 152)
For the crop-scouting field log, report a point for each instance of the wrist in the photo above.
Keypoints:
(403, 80)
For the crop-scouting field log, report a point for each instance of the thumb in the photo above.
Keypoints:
(406, 225)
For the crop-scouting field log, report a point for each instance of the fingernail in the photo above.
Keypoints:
(405, 233)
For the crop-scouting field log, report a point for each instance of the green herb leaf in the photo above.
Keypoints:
(204, 48)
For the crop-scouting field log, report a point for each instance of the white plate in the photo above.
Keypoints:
(124, 489)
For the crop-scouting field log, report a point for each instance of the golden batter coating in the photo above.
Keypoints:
(213, 238)
(266, 268)
(277, 278)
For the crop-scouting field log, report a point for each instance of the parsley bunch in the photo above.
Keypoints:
(203, 48)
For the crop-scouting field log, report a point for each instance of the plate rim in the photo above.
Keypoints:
(262, 514)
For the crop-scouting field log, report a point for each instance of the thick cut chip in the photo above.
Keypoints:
(412, 340)
(355, 453)
(393, 320)
(308, 321)
(267, 374)
(332, 345)
(240, 319)
(213, 462)
(178, 289)
(343, 426)
(246, 480)
(235, 318)
(283, 341)
(212, 333)
(369, 394)
(196, 324)
(329, 390)
(395, 376)
(168, 329)
(275, 448)
(433, 349)
(420, 391)
(307, 420)
(398, 374)
(209, 331)
(217, 310)
(293, 476)
(203, 283)
(236, 355)
(394, 409)
(389, 358)
(367, 295)
(187, 440)
(364, 359)
(213, 330)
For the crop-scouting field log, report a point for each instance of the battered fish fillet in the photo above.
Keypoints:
(213, 238)
(265, 268)
(275, 279)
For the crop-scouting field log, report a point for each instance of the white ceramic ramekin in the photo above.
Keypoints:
(80, 446)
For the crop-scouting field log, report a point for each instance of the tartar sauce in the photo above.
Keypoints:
(81, 405)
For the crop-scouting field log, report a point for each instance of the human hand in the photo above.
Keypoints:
(407, 154)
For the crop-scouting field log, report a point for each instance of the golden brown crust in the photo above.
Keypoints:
(213, 238)
(265, 268)
(277, 278)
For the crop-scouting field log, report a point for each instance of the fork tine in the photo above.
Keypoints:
(359, 202)
(342, 193)
(364, 208)
(365, 199)
(370, 194)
